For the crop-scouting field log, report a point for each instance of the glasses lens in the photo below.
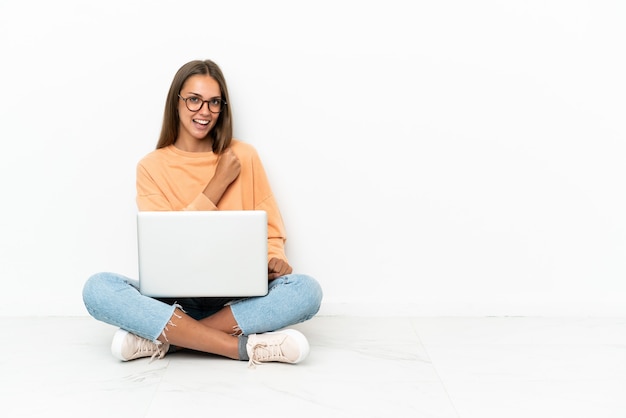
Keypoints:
(193, 103)
(215, 105)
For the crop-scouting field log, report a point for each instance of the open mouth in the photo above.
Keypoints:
(202, 121)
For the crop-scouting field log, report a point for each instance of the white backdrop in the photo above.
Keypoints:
(430, 158)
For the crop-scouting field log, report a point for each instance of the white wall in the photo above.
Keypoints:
(430, 158)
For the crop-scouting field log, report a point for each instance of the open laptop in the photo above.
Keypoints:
(202, 253)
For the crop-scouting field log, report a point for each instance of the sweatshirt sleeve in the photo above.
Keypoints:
(276, 236)
(264, 200)
(150, 197)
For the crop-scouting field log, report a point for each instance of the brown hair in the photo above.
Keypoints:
(222, 132)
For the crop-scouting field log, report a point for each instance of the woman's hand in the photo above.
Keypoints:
(228, 167)
(277, 267)
(227, 171)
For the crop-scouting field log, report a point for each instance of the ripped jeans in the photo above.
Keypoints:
(115, 299)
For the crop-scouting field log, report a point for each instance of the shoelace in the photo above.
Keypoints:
(265, 352)
(157, 352)
(148, 346)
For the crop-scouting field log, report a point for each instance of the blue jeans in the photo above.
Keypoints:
(115, 299)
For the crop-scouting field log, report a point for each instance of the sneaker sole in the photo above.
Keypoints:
(116, 345)
(302, 342)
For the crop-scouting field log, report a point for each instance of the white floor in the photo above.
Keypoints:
(358, 367)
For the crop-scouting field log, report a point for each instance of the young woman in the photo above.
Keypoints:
(197, 165)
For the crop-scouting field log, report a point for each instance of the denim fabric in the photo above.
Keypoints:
(115, 299)
(291, 299)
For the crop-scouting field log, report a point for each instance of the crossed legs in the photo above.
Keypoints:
(213, 334)
(114, 299)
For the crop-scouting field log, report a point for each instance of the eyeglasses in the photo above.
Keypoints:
(195, 103)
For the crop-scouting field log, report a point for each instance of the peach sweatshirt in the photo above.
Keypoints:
(171, 179)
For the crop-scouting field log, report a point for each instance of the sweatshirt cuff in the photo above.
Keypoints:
(201, 202)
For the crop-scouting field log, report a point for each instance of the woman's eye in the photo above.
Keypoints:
(216, 102)
(194, 100)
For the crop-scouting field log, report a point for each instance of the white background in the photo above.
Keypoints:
(429, 158)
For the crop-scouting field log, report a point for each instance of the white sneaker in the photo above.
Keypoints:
(127, 346)
(286, 346)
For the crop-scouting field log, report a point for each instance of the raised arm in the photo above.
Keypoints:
(228, 169)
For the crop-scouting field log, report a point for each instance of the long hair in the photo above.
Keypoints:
(222, 133)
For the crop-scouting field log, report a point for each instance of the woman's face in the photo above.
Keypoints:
(197, 125)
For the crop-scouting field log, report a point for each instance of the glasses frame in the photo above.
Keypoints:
(222, 103)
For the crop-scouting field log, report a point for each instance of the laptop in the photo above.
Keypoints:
(202, 253)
